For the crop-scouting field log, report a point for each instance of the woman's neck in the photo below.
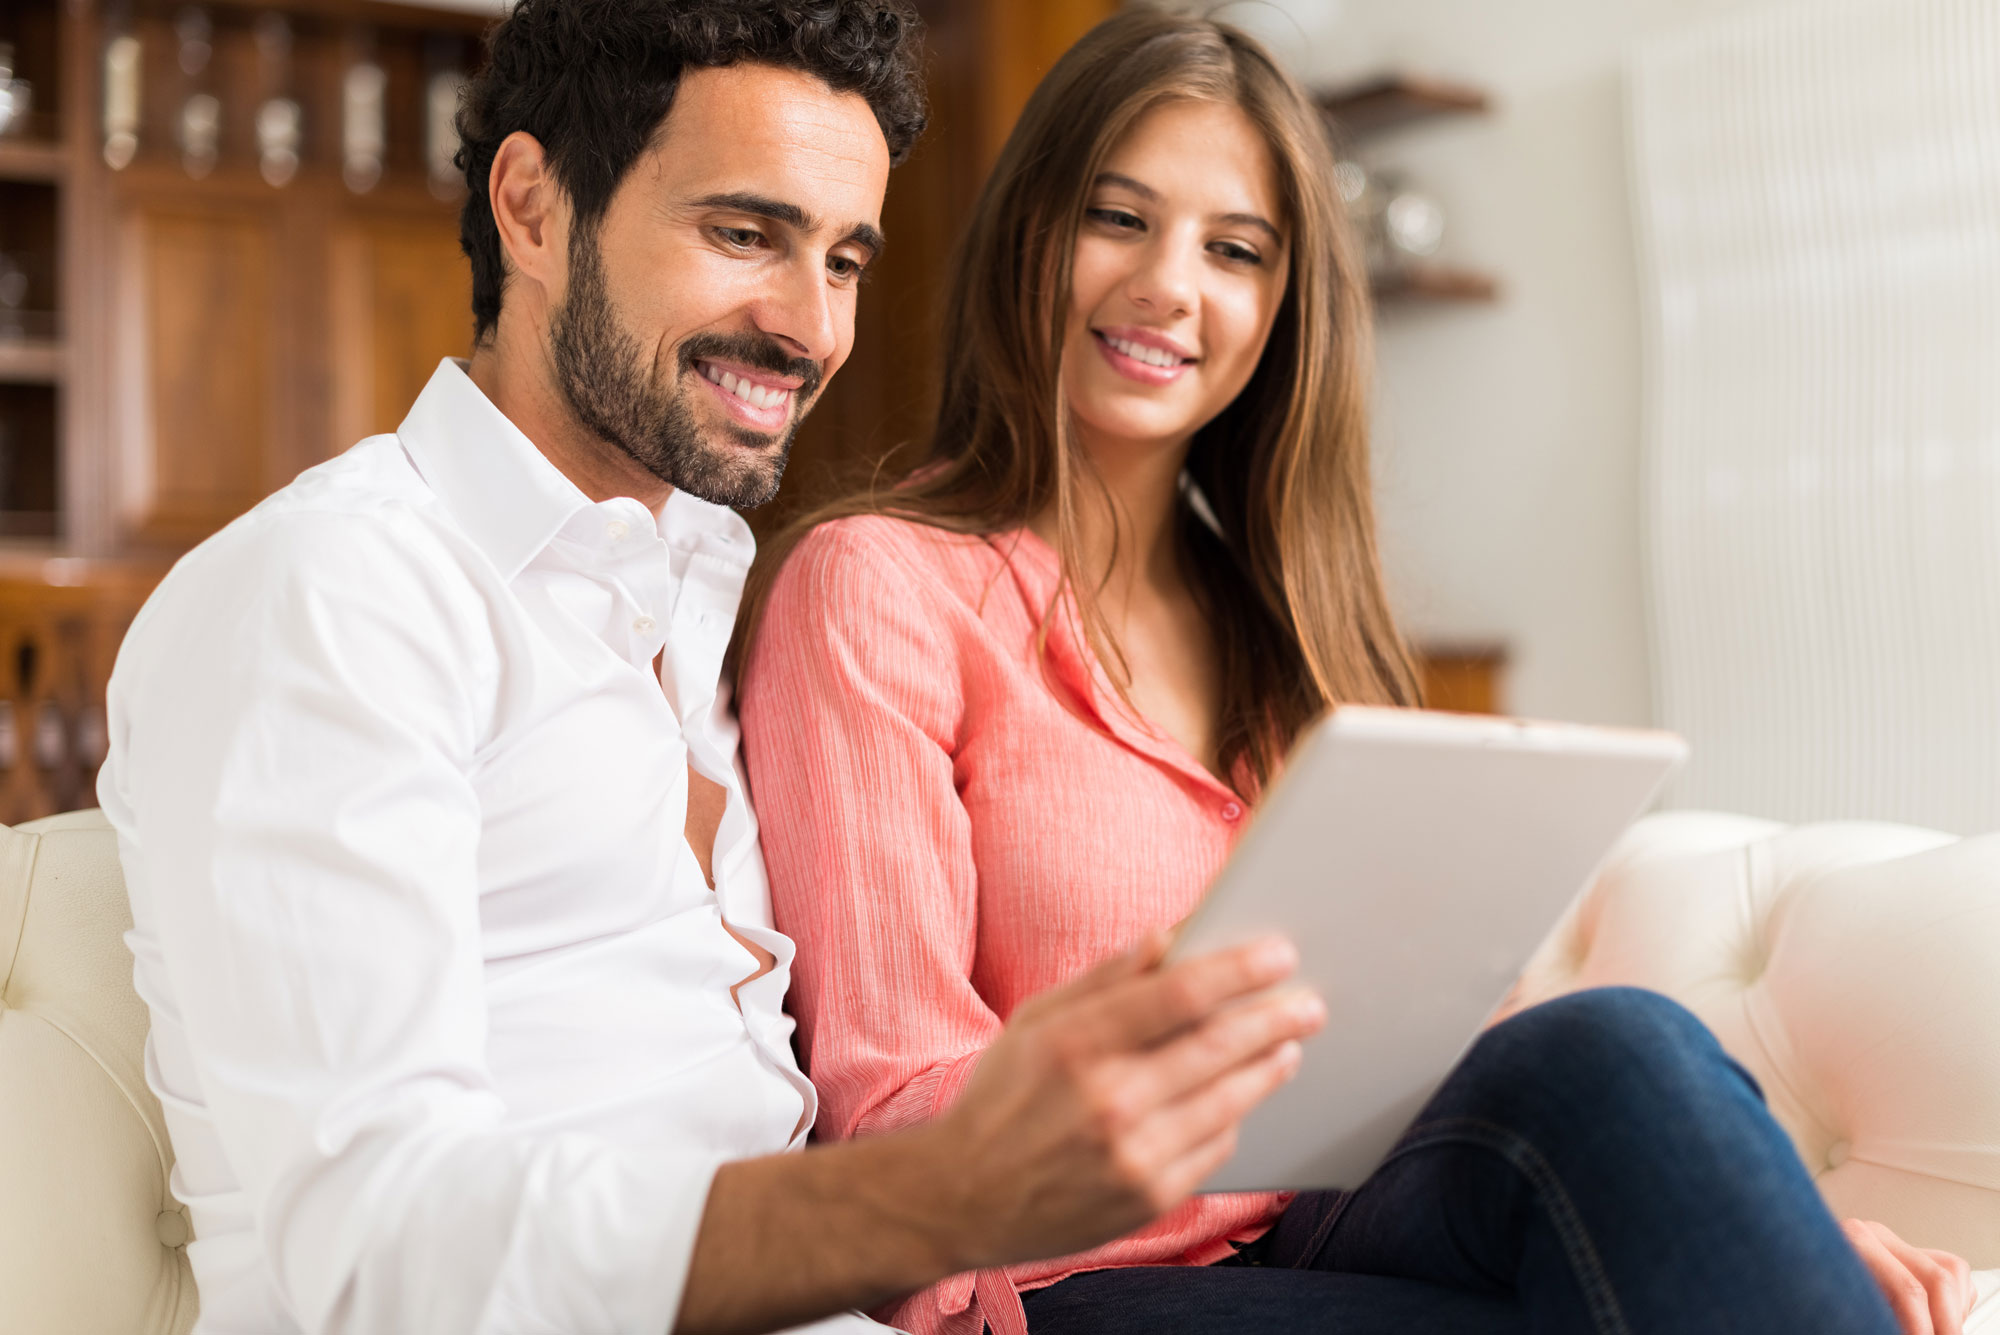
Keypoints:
(1126, 529)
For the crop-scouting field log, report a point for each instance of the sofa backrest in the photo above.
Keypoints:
(1853, 968)
(92, 1241)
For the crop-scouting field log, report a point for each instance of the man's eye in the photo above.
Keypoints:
(843, 268)
(743, 238)
(1117, 218)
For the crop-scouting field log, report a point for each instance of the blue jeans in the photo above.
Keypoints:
(1595, 1165)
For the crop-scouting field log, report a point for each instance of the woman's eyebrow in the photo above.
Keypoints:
(1139, 188)
(1146, 192)
(1254, 220)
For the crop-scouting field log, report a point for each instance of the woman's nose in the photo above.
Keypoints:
(1165, 279)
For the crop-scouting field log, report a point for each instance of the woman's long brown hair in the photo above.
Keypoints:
(1292, 581)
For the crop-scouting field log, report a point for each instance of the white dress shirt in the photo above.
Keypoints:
(441, 1006)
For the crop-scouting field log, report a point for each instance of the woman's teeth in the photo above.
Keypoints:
(757, 396)
(1140, 352)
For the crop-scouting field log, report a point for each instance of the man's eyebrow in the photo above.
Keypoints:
(1146, 192)
(868, 238)
(760, 206)
(777, 210)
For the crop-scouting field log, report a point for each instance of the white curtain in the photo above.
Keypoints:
(1818, 198)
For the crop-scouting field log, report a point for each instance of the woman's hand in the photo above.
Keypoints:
(1930, 1292)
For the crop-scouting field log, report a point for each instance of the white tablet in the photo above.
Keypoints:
(1416, 860)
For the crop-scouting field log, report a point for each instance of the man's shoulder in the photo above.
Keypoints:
(361, 528)
(362, 507)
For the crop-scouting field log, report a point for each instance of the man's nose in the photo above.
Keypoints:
(799, 310)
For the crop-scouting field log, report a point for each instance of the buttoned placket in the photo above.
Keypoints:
(1034, 568)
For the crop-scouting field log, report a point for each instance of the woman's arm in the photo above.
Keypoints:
(851, 705)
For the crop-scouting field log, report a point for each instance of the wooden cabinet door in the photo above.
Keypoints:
(199, 348)
(399, 301)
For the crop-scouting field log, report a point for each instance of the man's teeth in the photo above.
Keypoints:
(757, 396)
(1139, 352)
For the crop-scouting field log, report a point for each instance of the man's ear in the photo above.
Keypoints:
(531, 214)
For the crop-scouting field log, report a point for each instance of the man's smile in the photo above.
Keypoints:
(759, 400)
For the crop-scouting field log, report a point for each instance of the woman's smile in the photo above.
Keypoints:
(1143, 355)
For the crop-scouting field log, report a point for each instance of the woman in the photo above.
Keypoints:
(1007, 717)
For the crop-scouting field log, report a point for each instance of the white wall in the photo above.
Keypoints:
(1508, 436)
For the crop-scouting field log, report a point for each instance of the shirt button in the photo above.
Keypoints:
(644, 626)
(616, 530)
(1232, 811)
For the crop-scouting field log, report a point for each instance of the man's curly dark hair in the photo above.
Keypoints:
(593, 79)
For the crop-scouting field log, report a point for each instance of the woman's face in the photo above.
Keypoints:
(1181, 264)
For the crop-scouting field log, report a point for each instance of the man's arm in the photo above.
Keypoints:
(294, 720)
(1103, 1104)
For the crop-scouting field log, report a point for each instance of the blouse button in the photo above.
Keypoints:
(644, 626)
(1232, 811)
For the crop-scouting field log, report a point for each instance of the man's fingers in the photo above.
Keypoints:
(1908, 1299)
(1239, 1034)
(1140, 1011)
(1171, 1134)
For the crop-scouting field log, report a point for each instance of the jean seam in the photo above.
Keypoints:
(1599, 1296)
(1317, 1242)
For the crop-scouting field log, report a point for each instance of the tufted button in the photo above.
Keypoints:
(1836, 1154)
(172, 1226)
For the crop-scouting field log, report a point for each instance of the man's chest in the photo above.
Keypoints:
(583, 786)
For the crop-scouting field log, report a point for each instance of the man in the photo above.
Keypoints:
(447, 897)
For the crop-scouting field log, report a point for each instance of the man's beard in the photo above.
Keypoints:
(615, 391)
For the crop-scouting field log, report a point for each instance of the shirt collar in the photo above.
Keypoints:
(512, 501)
(504, 493)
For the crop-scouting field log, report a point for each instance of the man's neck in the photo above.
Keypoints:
(513, 372)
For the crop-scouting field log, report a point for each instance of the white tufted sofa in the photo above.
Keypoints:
(1855, 969)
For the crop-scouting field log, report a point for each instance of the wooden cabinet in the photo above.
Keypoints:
(197, 321)
(193, 331)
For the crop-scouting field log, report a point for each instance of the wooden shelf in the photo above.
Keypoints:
(1434, 282)
(31, 363)
(1465, 677)
(30, 160)
(1392, 101)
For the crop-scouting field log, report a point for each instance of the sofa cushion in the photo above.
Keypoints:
(92, 1239)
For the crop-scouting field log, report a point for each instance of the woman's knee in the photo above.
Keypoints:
(1621, 1045)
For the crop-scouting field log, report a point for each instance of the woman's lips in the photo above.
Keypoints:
(1146, 373)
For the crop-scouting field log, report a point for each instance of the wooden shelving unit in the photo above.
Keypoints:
(1464, 677)
(31, 362)
(1435, 282)
(193, 335)
(1393, 102)
(27, 160)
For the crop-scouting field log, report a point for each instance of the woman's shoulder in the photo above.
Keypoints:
(887, 555)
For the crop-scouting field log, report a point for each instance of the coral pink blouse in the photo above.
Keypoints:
(952, 826)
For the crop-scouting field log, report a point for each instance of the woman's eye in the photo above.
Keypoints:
(1241, 254)
(1117, 218)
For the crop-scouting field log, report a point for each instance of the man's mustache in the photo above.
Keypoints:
(756, 351)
